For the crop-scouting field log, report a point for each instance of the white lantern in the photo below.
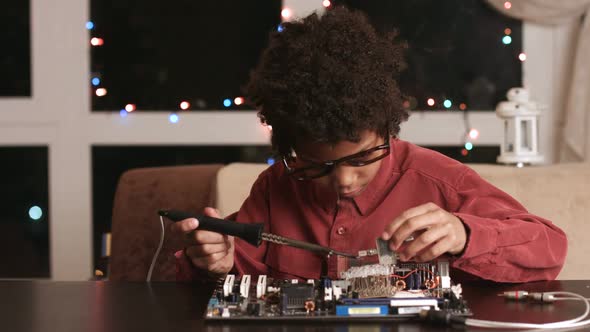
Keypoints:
(521, 135)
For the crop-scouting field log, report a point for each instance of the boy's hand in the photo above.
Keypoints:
(208, 251)
(435, 232)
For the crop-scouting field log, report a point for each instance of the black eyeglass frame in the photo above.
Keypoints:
(328, 166)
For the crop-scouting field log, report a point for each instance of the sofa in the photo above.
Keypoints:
(556, 192)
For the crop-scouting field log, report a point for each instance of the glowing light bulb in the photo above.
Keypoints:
(473, 133)
(507, 40)
(520, 165)
(227, 102)
(269, 127)
(464, 152)
(238, 100)
(286, 13)
(130, 108)
(468, 146)
(462, 106)
(100, 92)
(123, 113)
(185, 105)
(96, 41)
(270, 160)
(406, 104)
(173, 118)
(280, 28)
(89, 25)
(95, 81)
(430, 102)
(447, 103)
(507, 31)
(35, 212)
(522, 57)
(507, 5)
(326, 3)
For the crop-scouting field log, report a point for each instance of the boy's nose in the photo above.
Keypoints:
(343, 177)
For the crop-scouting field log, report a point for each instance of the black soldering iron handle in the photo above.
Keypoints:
(251, 233)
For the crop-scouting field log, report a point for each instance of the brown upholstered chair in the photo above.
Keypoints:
(136, 226)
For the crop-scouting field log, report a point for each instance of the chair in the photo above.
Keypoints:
(136, 227)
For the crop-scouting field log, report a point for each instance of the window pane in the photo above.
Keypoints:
(109, 162)
(462, 51)
(157, 54)
(15, 58)
(24, 221)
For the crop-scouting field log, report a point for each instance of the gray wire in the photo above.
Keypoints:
(149, 275)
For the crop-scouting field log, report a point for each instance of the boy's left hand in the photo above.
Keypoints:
(435, 232)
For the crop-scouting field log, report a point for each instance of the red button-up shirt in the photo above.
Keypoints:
(505, 243)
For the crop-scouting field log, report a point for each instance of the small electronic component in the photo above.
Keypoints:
(386, 255)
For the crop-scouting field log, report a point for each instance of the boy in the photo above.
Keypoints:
(327, 87)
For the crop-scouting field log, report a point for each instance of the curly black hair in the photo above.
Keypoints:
(325, 79)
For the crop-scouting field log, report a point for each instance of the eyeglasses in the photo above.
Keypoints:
(302, 169)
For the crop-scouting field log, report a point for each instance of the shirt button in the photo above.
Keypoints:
(341, 231)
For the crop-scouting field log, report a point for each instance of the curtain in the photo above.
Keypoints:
(574, 140)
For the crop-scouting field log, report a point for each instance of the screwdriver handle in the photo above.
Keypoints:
(251, 233)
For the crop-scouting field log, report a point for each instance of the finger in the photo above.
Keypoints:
(206, 262)
(411, 226)
(423, 241)
(204, 250)
(185, 226)
(206, 237)
(432, 252)
(399, 220)
(211, 212)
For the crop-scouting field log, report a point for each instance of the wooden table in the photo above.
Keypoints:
(45, 306)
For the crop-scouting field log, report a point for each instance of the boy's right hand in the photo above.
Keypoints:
(208, 251)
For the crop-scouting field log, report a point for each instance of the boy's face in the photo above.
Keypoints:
(346, 180)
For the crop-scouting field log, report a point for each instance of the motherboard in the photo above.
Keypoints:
(383, 290)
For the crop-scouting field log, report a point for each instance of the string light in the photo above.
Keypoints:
(464, 152)
(406, 104)
(130, 108)
(286, 13)
(89, 25)
(462, 106)
(468, 146)
(280, 28)
(473, 133)
(35, 213)
(507, 40)
(522, 57)
(270, 160)
(238, 101)
(326, 3)
(507, 5)
(100, 92)
(227, 102)
(507, 31)
(185, 105)
(96, 41)
(123, 113)
(173, 118)
(447, 103)
(430, 102)
(95, 81)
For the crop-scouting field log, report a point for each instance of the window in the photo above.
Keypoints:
(462, 54)
(154, 55)
(24, 250)
(15, 58)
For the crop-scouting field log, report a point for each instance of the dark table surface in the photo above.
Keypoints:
(117, 306)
